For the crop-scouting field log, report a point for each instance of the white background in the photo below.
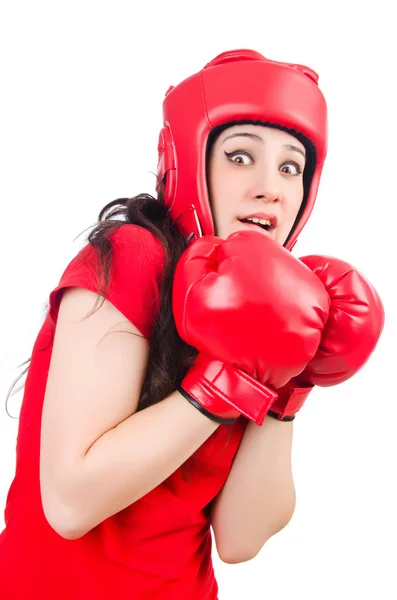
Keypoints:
(81, 90)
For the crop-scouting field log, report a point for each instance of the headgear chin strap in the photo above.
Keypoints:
(240, 85)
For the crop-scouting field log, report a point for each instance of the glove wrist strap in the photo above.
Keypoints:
(189, 398)
(290, 400)
(227, 392)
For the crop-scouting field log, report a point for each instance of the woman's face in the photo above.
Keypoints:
(256, 171)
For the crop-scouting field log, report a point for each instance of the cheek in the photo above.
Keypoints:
(291, 212)
(295, 203)
(222, 193)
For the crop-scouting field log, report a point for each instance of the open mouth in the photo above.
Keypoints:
(264, 224)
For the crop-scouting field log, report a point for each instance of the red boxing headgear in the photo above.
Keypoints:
(237, 86)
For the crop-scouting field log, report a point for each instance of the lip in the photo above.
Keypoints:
(268, 216)
(260, 230)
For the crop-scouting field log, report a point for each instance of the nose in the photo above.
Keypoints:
(269, 197)
(266, 188)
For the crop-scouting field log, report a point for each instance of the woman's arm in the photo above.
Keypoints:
(97, 456)
(258, 498)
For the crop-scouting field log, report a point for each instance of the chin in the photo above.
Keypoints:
(280, 240)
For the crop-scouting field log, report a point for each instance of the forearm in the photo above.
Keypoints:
(258, 497)
(130, 460)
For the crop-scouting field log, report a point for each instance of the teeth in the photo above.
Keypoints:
(261, 221)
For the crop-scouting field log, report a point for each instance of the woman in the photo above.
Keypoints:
(128, 451)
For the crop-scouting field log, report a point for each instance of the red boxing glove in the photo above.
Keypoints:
(254, 312)
(353, 329)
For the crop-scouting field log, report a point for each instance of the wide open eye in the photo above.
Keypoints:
(297, 169)
(239, 156)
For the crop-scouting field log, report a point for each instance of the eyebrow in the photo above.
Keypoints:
(253, 136)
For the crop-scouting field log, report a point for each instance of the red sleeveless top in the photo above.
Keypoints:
(159, 547)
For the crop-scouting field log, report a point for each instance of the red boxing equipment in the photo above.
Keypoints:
(256, 315)
(353, 329)
(236, 87)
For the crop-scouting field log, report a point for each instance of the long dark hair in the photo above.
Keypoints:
(169, 356)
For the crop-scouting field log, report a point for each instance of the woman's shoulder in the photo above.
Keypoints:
(134, 242)
(135, 235)
(133, 247)
(136, 266)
